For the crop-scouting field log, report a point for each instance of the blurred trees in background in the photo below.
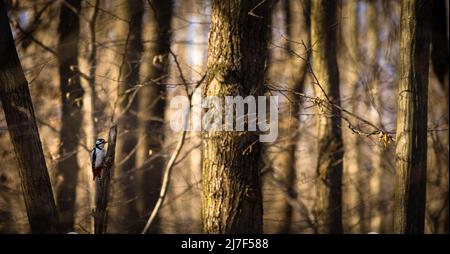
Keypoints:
(151, 105)
(363, 114)
(71, 94)
(127, 56)
(328, 206)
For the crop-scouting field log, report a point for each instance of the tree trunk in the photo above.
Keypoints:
(439, 58)
(71, 113)
(439, 43)
(19, 113)
(328, 206)
(128, 33)
(379, 176)
(231, 200)
(189, 43)
(102, 185)
(151, 107)
(91, 118)
(282, 154)
(411, 149)
(355, 175)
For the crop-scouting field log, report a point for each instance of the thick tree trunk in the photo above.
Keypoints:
(19, 113)
(151, 106)
(328, 206)
(231, 201)
(128, 33)
(411, 149)
(71, 113)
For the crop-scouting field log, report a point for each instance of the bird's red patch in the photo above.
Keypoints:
(98, 172)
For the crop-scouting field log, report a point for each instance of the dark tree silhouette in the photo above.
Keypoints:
(71, 113)
(128, 32)
(329, 167)
(151, 106)
(19, 113)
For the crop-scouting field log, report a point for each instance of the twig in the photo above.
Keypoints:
(173, 158)
(33, 25)
(119, 96)
(294, 202)
(93, 67)
(383, 135)
(165, 183)
(251, 12)
(32, 38)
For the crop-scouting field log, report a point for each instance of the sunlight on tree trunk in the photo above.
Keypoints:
(354, 173)
(231, 200)
(411, 150)
(72, 115)
(151, 107)
(128, 33)
(328, 206)
(278, 212)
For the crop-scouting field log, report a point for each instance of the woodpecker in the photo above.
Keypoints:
(97, 157)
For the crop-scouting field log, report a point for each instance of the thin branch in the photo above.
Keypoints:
(165, 183)
(93, 67)
(120, 96)
(32, 38)
(28, 31)
(251, 12)
(383, 135)
(294, 202)
(173, 158)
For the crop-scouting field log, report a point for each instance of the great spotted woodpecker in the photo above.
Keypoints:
(97, 157)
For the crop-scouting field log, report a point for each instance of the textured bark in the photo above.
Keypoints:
(102, 185)
(6, 211)
(328, 206)
(71, 113)
(151, 107)
(231, 200)
(128, 33)
(19, 114)
(411, 149)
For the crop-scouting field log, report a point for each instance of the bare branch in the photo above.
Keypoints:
(165, 183)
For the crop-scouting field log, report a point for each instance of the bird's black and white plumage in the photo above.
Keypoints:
(97, 157)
